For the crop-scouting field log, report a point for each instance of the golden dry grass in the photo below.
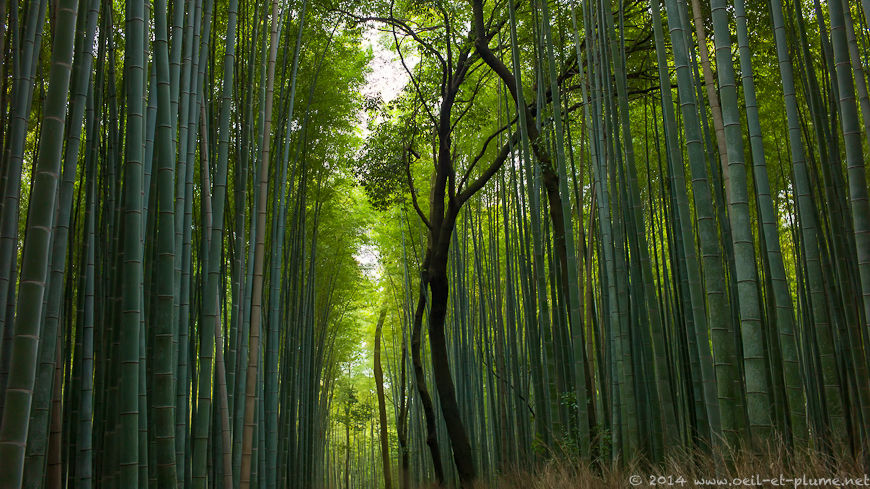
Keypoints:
(744, 469)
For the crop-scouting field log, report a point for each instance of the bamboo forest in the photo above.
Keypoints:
(401, 244)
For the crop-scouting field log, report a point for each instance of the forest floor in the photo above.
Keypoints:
(767, 469)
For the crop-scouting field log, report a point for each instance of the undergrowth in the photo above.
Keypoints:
(771, 466)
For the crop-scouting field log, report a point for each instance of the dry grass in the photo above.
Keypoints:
(743, 469)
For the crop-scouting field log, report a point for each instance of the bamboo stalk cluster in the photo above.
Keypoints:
(162, 325)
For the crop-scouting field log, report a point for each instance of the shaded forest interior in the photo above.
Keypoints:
(413, 243)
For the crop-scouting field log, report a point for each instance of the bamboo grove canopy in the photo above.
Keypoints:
(601, 230)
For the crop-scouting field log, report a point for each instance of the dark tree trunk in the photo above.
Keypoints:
(439, 286)
(417, 359)
(402, 425)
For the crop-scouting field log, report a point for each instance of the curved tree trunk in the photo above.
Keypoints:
(382, 405)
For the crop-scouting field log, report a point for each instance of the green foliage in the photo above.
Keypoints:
(381, 168)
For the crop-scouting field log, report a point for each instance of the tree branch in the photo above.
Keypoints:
(401, 25)
(483, 151)
(411, 186)
(490, 171)
(411, 76)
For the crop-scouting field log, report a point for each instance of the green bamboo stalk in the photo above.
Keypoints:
(36, 255)
(543, 321)
(694, 308)
(784, 319)
(257, 292)
(572, 279)
(129, 449)
(81, 70)
(25, 68)
(163, 407)
(718, 314)
(829, 420)
(758, 396)
(84, 439)
(858, 198)
(279, 217)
